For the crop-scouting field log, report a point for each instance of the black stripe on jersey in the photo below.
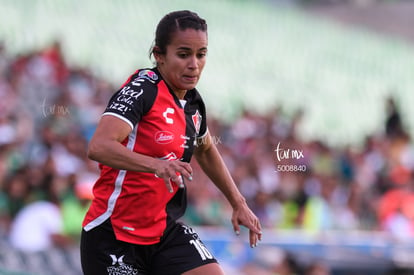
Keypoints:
(195, 106)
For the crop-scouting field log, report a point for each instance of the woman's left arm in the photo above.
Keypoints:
(213, 165)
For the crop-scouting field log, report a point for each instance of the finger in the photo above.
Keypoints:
(178, 180)
(259, 235)
(181, 182)
(253, 238)
(236, 226)
(256, 227)
(185, 170)
(259, 229)
(168, 185)
(188, 168)
(255, 233)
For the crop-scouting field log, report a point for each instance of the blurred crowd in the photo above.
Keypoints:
(49, 110)
(310, 185)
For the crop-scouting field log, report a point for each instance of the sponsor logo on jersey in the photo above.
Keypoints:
(185, 140)
(197, 121)
(127, 96)
(168, 111)
(118, 267)
(131, 93)
(119, 107)
(164, 137)
(116, 260)
(148, 74)
(137, 81)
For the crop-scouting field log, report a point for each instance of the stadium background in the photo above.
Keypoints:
(283, 64)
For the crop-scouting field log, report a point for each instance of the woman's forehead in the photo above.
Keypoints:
(189, 38)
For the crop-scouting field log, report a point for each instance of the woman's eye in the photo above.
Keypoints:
(182, 55)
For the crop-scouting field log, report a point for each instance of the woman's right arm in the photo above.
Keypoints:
(105, 147)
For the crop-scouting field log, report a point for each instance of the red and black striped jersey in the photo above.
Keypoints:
(163, 126)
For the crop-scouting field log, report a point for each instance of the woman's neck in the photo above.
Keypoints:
(179, 93)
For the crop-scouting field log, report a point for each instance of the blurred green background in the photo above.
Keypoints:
(262, 55)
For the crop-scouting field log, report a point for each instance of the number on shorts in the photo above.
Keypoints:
(202, 250)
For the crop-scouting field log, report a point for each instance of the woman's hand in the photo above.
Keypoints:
(173, 171)
(242, 215)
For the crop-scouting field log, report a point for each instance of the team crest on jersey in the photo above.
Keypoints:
(197, 121)
(148, 74)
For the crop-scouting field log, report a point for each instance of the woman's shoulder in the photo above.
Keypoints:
(146, 76)
(140, 82)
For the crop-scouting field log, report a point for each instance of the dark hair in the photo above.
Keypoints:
(170, 23)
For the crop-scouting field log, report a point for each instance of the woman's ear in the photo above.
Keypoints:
(157, 55)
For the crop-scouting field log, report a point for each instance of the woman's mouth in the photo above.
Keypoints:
(190, 78)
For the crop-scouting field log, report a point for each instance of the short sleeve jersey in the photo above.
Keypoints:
(163, 126)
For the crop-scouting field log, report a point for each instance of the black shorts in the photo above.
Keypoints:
(179, 250)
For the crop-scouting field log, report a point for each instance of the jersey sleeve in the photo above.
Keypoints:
(133, 100)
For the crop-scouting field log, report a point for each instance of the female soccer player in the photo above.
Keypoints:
(144, 142)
